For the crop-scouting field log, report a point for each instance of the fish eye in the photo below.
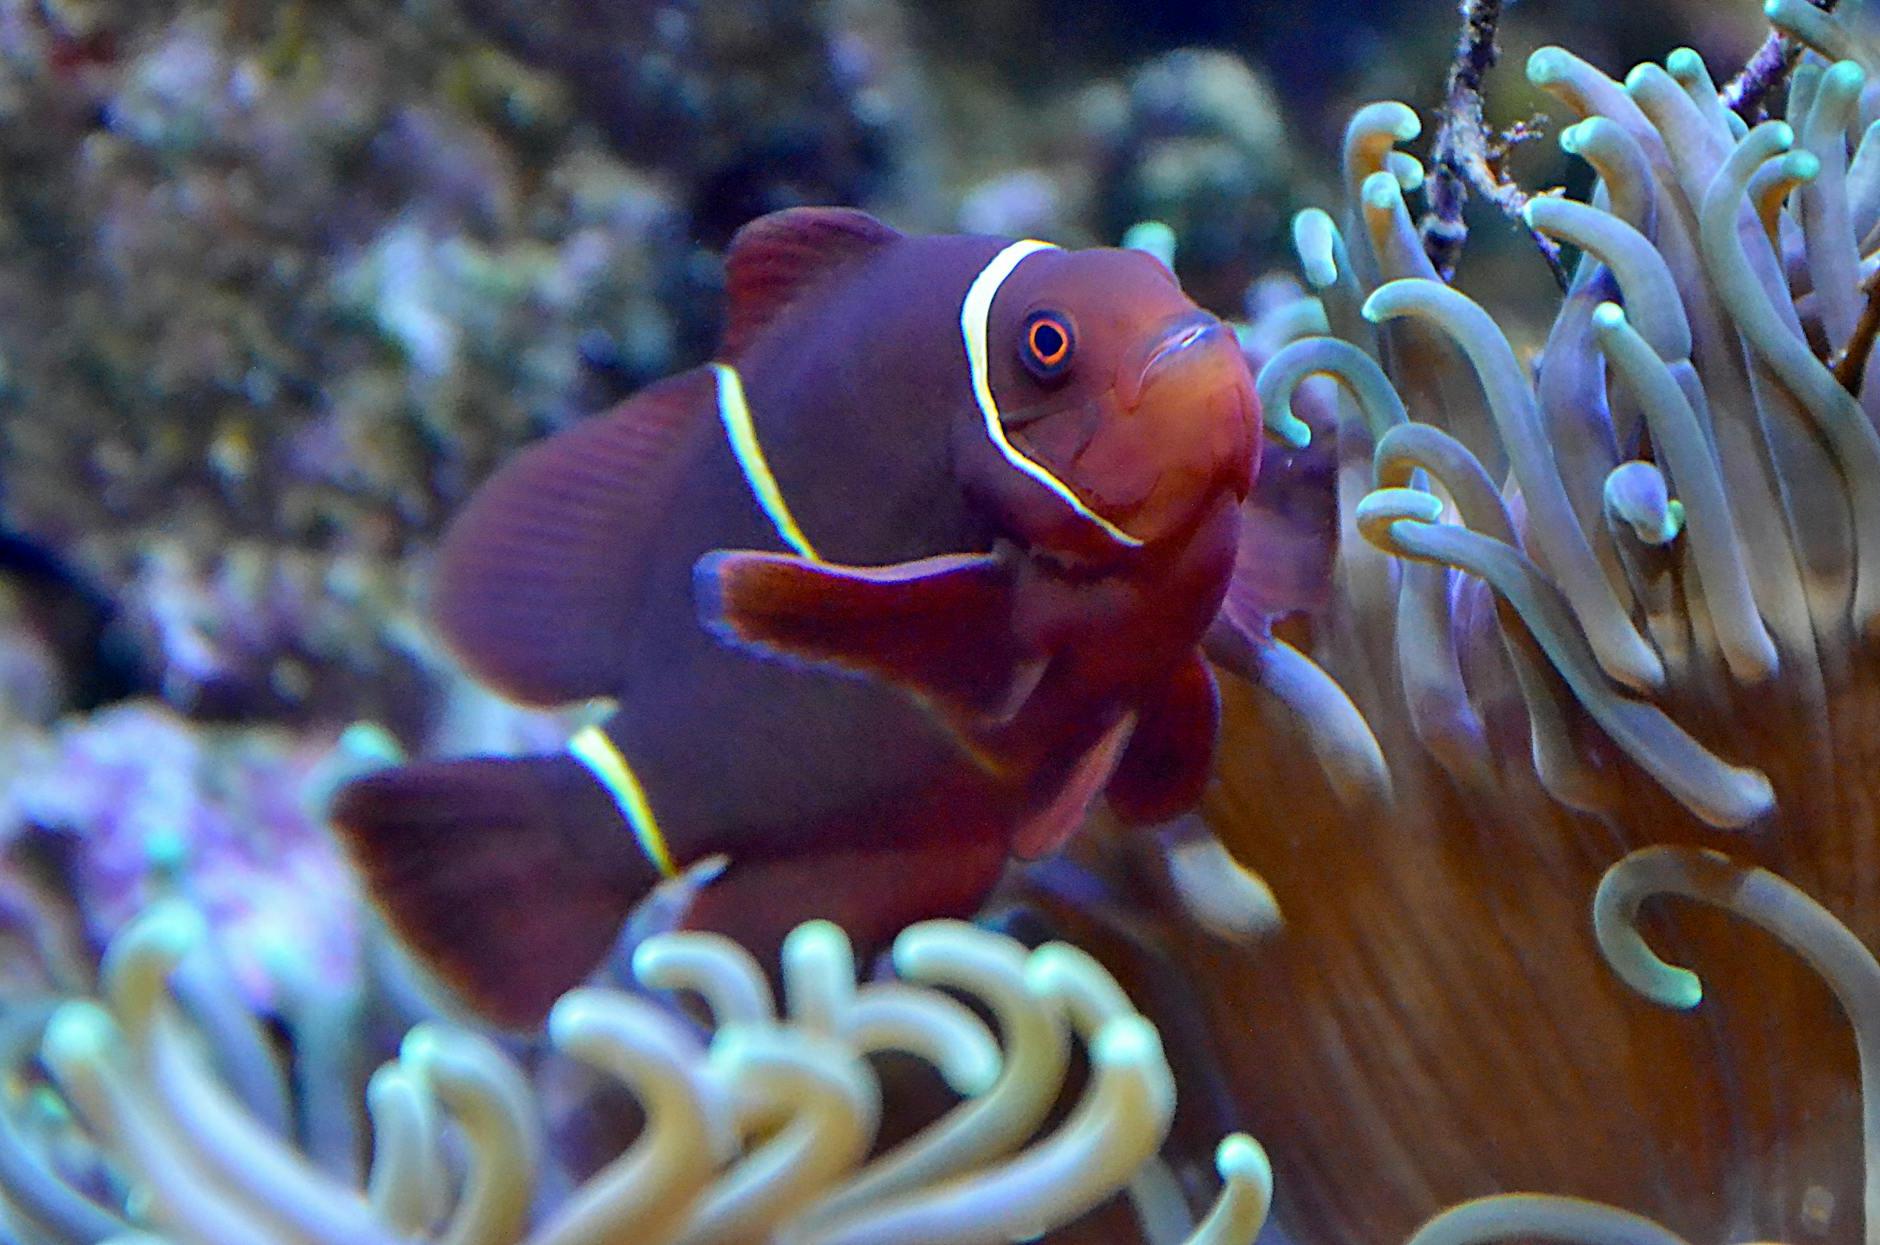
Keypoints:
(1046, 344)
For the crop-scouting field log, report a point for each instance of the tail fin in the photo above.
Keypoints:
(511, 877)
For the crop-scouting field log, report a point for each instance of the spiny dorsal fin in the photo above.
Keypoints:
(776, 257)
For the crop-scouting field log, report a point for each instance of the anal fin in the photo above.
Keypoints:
(872, 894)
(511, 877)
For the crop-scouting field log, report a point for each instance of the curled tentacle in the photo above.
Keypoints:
(1334, 727)
(718, 970)
(1636, 495)
(1863, 188)
(408, 1186)
(1554, 530)
(1620, 163)
(1121, 1120)
(1644, 279)
(818, 976)
(1037, 1053)
(1812, 26)
(1370, 137)
(210, 1130)
(1774, 905)
(84, 1049)
(1404, 523)
(1827, 224)
(829, 1104)
(646, 1193)
(1644, 520)
(819, 980)
(1240, 1211)
(1325, 356)
(1541, 1216)
(1395, 241)
(1220, 894)
(1771, 186)
(1688, 70)
(492, 1105)
(28, 1186)
(1854, 442)
(1326, 262)
(1685, 447)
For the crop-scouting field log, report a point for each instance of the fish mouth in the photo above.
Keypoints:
(1186, 336)
(1191, 424)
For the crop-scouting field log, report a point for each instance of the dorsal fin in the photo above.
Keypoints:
(541, 575)
(775, 258)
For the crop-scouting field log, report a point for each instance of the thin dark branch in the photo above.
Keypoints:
(1850, 366)
(1466, 156)
(1747, 94)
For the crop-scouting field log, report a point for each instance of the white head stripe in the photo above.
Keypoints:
(735, 413)
(975, 327)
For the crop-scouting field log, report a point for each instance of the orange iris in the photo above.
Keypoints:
(1049, 340)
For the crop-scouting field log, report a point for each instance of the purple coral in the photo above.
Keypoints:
(160, 805)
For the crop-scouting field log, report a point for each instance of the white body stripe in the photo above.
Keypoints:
(975, 327)
(590, 745)
(592, 748)
(735, 413)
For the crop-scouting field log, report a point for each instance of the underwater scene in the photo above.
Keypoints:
(902, 622)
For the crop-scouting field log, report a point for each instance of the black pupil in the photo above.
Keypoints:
(1047, 339)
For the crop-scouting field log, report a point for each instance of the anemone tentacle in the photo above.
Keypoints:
(1629, 598)
(760, 1129)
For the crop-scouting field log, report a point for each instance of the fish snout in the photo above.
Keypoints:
(1180, 341)
(1189, 385)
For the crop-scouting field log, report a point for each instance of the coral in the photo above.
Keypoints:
(290, 278)
(1201, 146)
(761, 1129)
(150, 804)
(255, 630)
(269, 315)
(753, 106)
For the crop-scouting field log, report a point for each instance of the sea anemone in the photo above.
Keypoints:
(760, 1127)
(1623, 595)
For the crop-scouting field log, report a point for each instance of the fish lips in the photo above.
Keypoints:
(1183, 339)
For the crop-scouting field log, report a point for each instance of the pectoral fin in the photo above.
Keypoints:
(939, 626)
(1288, 538)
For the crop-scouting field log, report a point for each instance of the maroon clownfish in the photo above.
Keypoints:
(890, 592)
